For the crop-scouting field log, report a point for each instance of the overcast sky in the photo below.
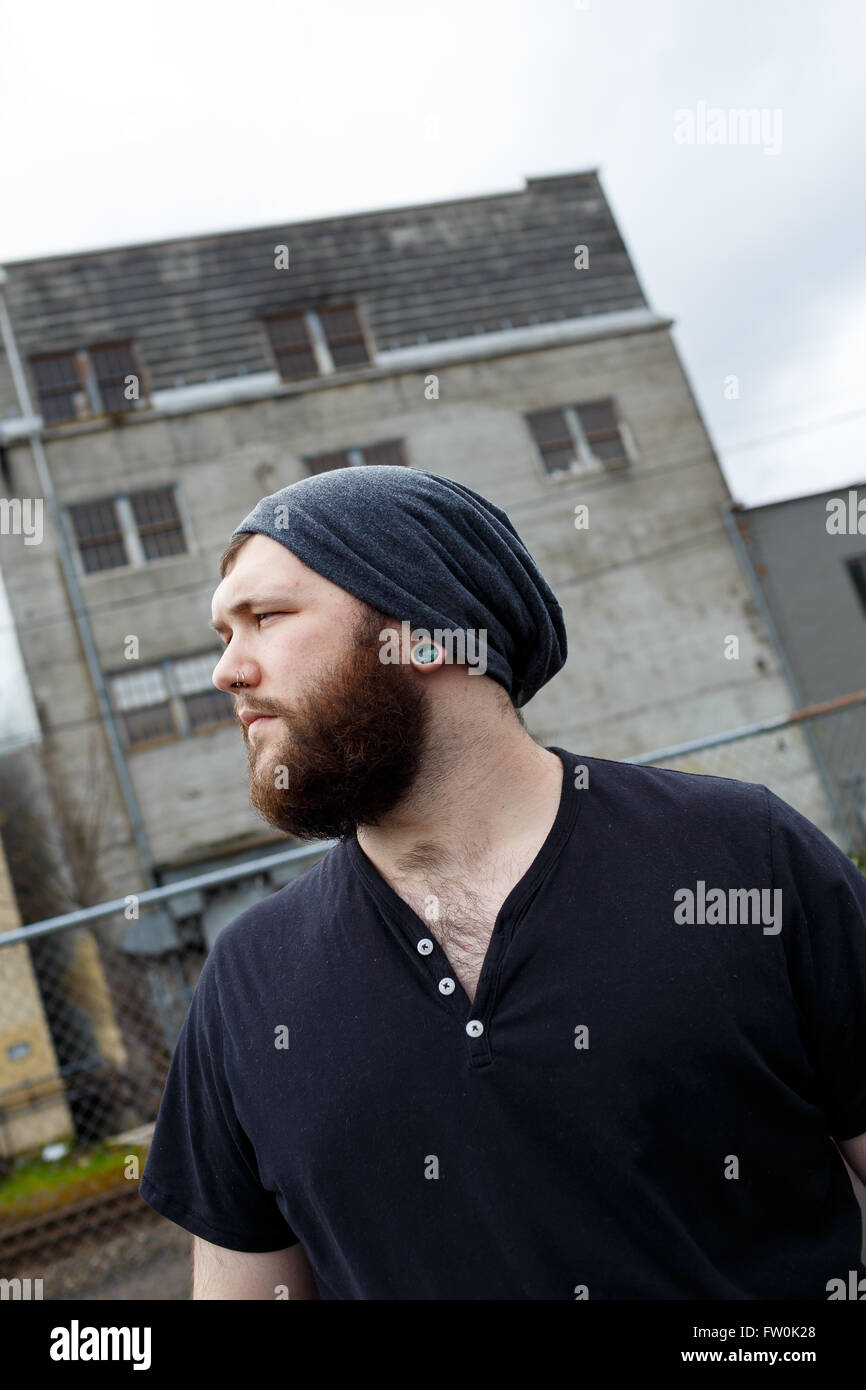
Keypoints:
(138, 122)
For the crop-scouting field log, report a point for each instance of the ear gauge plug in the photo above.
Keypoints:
(426, 653)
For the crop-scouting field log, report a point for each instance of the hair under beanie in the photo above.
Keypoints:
(427, 550)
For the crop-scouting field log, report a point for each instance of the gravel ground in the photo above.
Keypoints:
(135, 1260)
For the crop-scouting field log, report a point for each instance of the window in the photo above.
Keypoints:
(113, 363)
(553, 437)
(857, 570)
(580, 438)
(323, 463)
(128, 530)
(309, 343)
(141, 699)
(172, 699)
(390, 451)
(62, 395)
(344, 336)
(158, 522)
(83, 383)
(601, 432)
(99, 535)
(205, 705)
(293, 349)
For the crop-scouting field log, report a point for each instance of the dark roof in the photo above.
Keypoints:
(425, 272)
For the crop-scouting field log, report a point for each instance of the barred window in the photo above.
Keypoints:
(598, 421)
(208, 707)
(158, 522)
(322, 463)
(116, 531)
(112, 364)
(553, 437)
(99, 536)
(290, 340)
(61, 391)
(193, 673)
(193, 681)
(142, 701)
(344, 336)
(170, 699)
(390, 452)
(577, 438)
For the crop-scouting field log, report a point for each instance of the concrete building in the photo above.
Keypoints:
(808, 555)
(33, 1108)
(501, 340)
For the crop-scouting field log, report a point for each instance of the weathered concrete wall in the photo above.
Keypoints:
(650, 591)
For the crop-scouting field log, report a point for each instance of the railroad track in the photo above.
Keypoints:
(63, 1230)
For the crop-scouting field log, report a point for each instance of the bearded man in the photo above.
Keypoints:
(476, 1051)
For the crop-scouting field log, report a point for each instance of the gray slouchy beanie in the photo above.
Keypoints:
(427, 550)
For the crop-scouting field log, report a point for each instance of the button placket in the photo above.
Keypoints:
(438, 969)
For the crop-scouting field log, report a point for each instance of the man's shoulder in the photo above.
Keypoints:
(672, 788)
(706, 811)
(298, 903)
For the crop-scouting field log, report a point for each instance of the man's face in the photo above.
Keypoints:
(345, 733)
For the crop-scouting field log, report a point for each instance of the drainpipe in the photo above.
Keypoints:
(46, 484)
(730, 510)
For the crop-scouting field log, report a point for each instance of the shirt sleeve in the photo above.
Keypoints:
(201, 1170)
(824, 923)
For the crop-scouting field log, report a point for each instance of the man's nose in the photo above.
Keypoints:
(232, 672)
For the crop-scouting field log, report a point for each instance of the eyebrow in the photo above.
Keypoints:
(246, 605)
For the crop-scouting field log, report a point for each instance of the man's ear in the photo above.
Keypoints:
(426, 656)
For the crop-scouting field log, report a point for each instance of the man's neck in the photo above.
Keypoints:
(476, 801)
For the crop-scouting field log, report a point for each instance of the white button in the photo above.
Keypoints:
(425, 945)
(475, 1028)
(446, 986)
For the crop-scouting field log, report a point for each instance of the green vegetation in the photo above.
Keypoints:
(34, 1187)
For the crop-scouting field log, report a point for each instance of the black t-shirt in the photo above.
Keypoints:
(638, 1104)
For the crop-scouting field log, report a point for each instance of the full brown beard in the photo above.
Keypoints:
(351, 750)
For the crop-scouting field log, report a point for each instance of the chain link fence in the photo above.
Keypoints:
(91, 1004)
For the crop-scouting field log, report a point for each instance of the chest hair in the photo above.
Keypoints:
(461, 916)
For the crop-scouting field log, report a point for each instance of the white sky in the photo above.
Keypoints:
(126, 123)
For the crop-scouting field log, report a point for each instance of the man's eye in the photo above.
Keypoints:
(266, 615)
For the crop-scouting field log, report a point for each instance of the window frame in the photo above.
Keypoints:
(77, 356)
(317, 339)
(182, 725)
(615, 429)
(136, 558)
(586, 461)
(88, 381)
(154, 528)
(77, 543)
(355, 453)
(363, 334)
(143, 385)
(280, 316)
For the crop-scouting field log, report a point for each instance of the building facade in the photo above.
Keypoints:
(808, 555)
(503, 341)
